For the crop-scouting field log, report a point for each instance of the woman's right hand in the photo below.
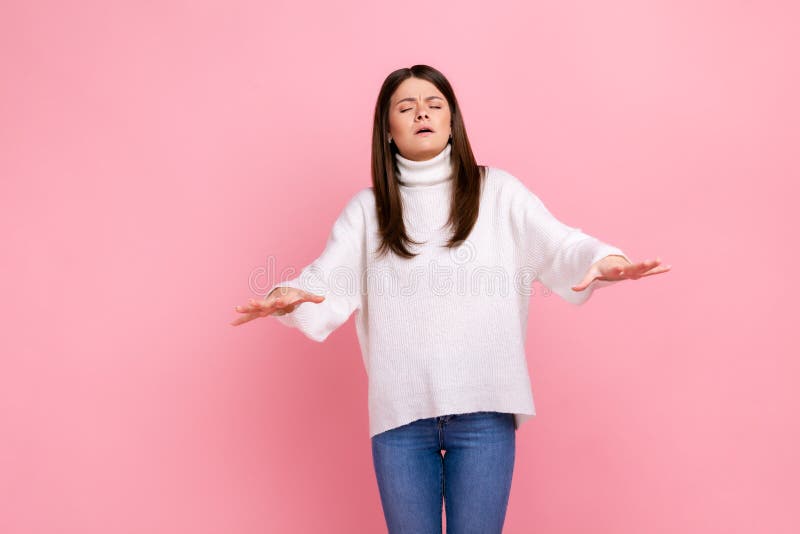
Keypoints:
(280, 301)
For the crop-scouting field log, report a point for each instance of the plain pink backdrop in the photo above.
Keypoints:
(160, 162)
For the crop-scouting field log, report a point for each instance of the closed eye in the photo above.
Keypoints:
(407, 109)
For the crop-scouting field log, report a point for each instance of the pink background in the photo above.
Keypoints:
(161, 160)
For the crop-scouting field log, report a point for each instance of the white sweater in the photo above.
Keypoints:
(444, 332)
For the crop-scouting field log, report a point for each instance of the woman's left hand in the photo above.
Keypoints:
(616, 267)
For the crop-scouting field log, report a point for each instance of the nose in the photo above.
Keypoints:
(422, 113)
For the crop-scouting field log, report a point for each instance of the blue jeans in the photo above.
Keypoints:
(473, 477)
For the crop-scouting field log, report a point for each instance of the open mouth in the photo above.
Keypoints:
(424, 131)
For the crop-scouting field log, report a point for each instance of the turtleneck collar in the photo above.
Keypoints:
(428, 172)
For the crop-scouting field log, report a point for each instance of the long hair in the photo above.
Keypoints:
(467, 174)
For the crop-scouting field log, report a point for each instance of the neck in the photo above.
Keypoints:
(428, 172)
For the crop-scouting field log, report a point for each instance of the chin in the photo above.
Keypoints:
(422, 149)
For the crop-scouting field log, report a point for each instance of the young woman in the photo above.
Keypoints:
(437, 261)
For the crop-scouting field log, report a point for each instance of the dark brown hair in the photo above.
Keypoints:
(467, 174)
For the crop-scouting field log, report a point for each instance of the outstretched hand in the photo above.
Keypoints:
(280, 301)
(615, 267)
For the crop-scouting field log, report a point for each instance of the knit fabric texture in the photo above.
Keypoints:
(444, 332)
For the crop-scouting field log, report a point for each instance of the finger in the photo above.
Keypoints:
(648, 266)
(652, 270)
(252, 306)
(276, 304)
(290, 307)
(637, 267)
(244, 309)
(658, 270)
(636, 270)
(255, 313)
(244, 319)
(258, 308)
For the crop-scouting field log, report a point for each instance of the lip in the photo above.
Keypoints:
(423, 127)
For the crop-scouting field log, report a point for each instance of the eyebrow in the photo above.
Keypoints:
(412, 99)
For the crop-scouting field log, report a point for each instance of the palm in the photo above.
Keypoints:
(612, 269)
(280, 302)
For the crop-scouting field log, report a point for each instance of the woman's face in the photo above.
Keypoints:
(418, 104)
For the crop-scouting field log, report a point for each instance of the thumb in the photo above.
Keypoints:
(311, 297)
(587, 279)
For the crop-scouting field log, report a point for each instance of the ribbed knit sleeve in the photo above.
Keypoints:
(559, 255)
(336, 274)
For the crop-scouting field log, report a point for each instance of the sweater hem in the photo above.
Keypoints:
(518, 401)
